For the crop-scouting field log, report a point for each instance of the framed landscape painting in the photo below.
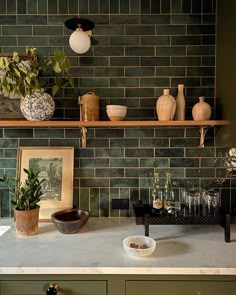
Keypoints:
(56, 165)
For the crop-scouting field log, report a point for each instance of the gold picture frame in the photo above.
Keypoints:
(56, 164)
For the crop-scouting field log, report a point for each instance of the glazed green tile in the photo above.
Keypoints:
(213, 162)
(155, 40)
(52, 41)
(110, 92)
(196, 5)
(208, 61)
(199, 173)
(107, 153)
(140, 71)
(145, 7)
(109, 72)
(154, 162)
(187, 19)
(170, 30)
(201, 29)
(15, 133)
(140, 30)
(65, 142)
(169, 152)
(1, 132)
(8, 163)
(134, 7)
(95, 61)
(48, 133)
(7, 20)
(160, 61)
(94, 182)
(17, 30)
(135, 132)
(124, 6)
(124, 61)
(9, 143)
(208, 82)
(187, 81)
(186, 61)
(109, 172)
(184, 162)
(32, 20)
(11, 172)
(62, 6)
(48, 30)
(154, 82)
(142, 92)
(140, 51)
(155, 6)
(42, 7)
(124, 162)
(5, 209)
(201, 71)
(32, 7)
(114, 7)
(165, 6)
(84, 172)
(21, 7)
(104, 7)
(110, 30)
(10, 153)
(182, 142)
(3, 8)
(112, 133)
(124, 40)
(170, 71)
(200, 50)
(96, 143)
(104, 202)
(8, 40)
(207, 7)
(154, 142)
(94, 202)
(169, 132)
(114, 143)
(124, 182)
(1, 153)
(124, 82)
(186, 40)
(52, 7)
(200, 152)
(170, 50)
(84, 198)
(88, 163)
(33, 142)
(109, 51)
(139, 152)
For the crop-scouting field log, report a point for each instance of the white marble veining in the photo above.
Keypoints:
(98, 249)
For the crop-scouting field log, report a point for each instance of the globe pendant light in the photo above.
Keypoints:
(79, 41)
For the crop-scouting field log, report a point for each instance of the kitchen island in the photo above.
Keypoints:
(191, 256)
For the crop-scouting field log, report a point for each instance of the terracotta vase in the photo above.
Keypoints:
(180, 104)
(201, 111)
(27, 222)
(166, 106)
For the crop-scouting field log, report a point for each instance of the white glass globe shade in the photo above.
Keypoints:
(79, 42)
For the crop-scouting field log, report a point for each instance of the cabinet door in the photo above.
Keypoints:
(65, 287)
(180, 287)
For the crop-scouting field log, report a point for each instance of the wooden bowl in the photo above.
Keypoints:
(70, 221)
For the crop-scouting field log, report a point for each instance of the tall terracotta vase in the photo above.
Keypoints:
(27, 222)
(201, 111)
(180, 104)
(165, 106)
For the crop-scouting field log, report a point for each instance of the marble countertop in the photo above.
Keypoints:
(98, 249)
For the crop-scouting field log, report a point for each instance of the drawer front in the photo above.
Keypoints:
(180, 287)
(65, 287)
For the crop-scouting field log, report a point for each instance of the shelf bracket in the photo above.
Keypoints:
(84, 137)
(203, 130)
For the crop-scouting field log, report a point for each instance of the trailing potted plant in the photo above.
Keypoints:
(27, 195)
(30, 78)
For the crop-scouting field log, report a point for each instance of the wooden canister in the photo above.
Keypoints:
(89, 107)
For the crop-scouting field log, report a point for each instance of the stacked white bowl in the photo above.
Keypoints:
(116, 112)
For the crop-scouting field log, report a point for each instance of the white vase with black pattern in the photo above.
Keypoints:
(39, 106)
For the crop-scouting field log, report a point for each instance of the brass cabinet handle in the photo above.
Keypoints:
(52, 289)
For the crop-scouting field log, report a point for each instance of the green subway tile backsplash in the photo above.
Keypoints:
(141, 47)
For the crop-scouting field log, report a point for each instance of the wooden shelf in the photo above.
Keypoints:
(66, 124)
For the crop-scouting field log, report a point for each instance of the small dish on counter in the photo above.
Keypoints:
(139, 246)
(70, 221)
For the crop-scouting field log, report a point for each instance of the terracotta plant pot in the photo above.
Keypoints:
(27, 222)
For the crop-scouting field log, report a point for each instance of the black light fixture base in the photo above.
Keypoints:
(83, 23)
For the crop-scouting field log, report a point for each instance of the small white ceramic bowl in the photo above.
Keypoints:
(139, 241)
(116, 112)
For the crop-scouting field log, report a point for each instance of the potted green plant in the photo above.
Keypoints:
(31, 79)
(27, 195)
